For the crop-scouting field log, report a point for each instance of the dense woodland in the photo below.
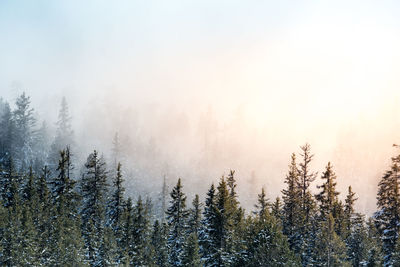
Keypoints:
(57, 213)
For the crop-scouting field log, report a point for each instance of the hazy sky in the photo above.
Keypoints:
(299, 71)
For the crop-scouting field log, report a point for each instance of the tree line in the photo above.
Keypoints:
(52, 216)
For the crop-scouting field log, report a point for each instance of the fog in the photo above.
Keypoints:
(195, 89)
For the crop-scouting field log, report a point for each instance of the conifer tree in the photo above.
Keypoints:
(164, 196)
(64, 134)
(276, 210)
(24, 131)
(159, 244)
(262, 205)
(291, 222)
(306, 177)
(44, 217)
(195, 216)
(330, 250)
(387, 217)
(357, 241)
(177, 216)
(7, 135)
(208, 231)
(66, 238)
(374, 248)
(9, 184)
(11, 242)
(127, 234)
(308, 208)
(349, 209)
(265, 243)
(328, 195)
(191, 257)
(115, 211)
(94, 189)
(140, 235)
(116, 150)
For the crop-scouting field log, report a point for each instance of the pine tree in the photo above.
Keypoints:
(265, 243)
(127, 234)
(306, 177)
(374, 251)
(44, 224)
(24, 131)
(276, 210)
(208, 231)
(107, 250)
(191, 257)
(349, 209)
(330, 250)
(387, 217)
(116, 150)
(140, 235)
(116, 209)
(177, 222)
(195, 216)
(7, 135)
(9, 184)
(94, 189)
(66, 239)
(262, 205)
(11, 242)
(64, 134)
(159, 244)
(227, 221)
(308, 212)
(328, 195)
(164, 196)
(357, 241)
(292, 207)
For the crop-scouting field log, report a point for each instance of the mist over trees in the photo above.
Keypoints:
(58, 208)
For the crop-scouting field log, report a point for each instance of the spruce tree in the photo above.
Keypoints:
(177, 216)
(374, 248)
(44, 217)
(127, 234)
(349, 209)
(291, 210)
(308, 209)
(159, 244)
(9, 184)
(67, 243)
(7, 135)
(328, 195)
(195, 216)
(329, 250)
(208, 232)
(24, 131)
(387, 217)
(140, 235)
(276, 210)
(191, 257)
(94, 189)
(64, 134)
(115, 210)
(357, 241)
(265, 243)
(306, 177)
(262, 205)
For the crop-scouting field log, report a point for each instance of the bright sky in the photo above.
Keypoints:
(326, 72)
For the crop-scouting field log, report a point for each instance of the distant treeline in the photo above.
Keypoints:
(51, 216)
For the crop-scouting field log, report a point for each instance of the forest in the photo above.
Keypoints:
(58, 211)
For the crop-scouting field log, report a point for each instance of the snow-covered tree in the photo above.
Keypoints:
(177, 216)
(94, 189)
(387, 217)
